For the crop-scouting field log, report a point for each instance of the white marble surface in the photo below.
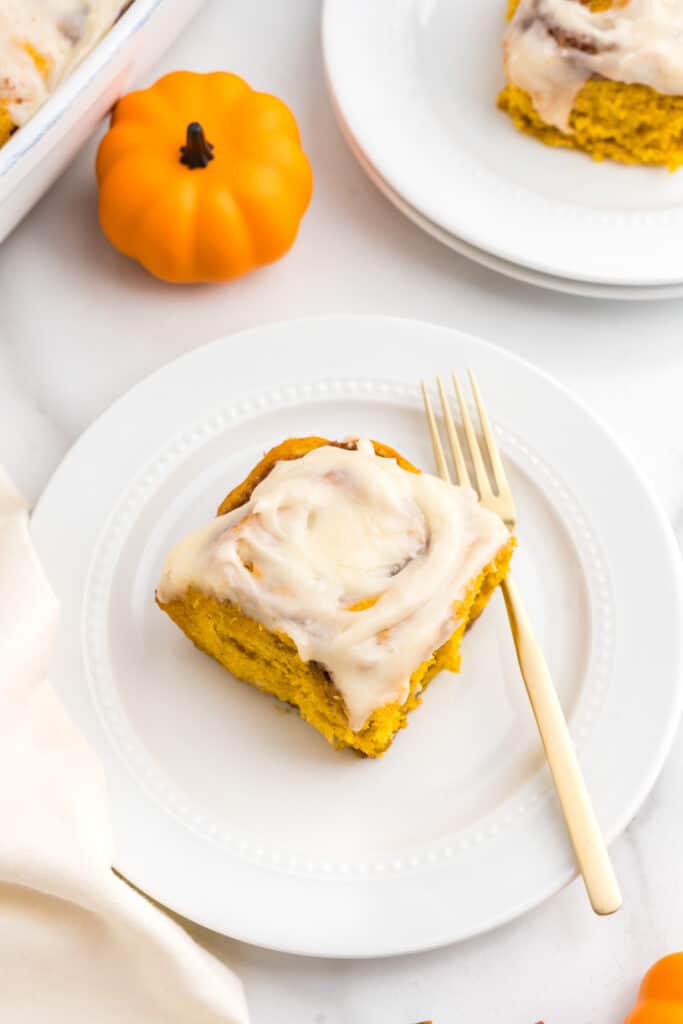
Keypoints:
(80, 325)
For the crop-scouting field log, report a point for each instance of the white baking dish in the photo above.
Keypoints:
(37, 153)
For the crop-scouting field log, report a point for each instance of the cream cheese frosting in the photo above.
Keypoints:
(552, 47)
(360, 562)
(53, 35)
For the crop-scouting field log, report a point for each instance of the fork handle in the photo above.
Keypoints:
(589, 846)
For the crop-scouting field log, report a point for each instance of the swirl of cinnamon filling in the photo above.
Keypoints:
(361, 563)
(552, 47)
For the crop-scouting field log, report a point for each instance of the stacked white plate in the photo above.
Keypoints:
(414, 86)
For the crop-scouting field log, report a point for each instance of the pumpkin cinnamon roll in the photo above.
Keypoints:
(602, 76)
(340, 579)
(40, 42)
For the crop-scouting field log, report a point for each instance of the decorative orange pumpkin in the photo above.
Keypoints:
(201, 178)
(660, 1000)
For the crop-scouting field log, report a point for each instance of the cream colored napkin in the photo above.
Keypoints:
(77, 945)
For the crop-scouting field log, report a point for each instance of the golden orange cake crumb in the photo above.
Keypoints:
(267, 657)
(629, 122)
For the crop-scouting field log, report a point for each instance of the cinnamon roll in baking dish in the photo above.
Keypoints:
(340, 579)
(40, 42)
(603, 76)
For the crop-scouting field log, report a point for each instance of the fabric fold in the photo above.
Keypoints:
(77, 944)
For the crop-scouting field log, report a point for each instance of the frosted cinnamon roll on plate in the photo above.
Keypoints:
(340, 579)
(602, 76)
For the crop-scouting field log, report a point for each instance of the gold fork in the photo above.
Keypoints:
(582, 825)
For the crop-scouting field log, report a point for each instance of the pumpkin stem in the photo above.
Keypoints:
(197, 151)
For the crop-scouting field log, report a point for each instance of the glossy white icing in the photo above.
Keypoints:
(360, 562)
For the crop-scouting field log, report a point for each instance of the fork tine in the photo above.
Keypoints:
(490, 438)
(475, 451)
(462, 476)
(439, 457)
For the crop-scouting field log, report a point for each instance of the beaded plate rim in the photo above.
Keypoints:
(417, 158)
(168, 795)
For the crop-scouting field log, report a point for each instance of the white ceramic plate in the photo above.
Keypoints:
(227, 807)
(514, 270)
(416, 82)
